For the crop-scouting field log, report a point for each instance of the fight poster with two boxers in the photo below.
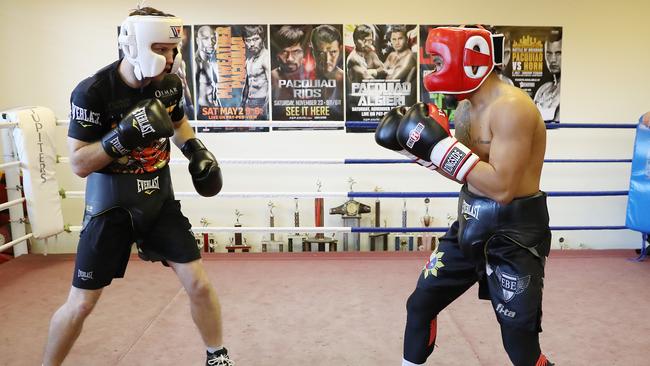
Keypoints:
(531, 61)
(231, 74)
(381, 70)
(307, 72)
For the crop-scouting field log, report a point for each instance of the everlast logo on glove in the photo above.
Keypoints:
(117, 145)
(143, 122)
(148, 186)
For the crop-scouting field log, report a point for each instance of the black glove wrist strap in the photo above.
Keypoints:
(191, 146)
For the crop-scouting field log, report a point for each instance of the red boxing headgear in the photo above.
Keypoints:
(468, 56)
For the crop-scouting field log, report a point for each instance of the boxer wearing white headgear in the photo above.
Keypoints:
(501, 238)
(123, 120)
(139, 32)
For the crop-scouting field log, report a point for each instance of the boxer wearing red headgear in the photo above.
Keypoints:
(463, 57)
(501, 238)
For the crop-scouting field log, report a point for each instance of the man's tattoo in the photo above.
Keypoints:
(462, 125)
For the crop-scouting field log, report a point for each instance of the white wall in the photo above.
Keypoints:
(49, 46)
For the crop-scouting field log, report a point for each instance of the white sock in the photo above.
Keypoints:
(407, 363)
(214, 349)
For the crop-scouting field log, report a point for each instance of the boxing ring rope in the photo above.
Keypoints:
(14, 242)
(345, 229)
(347, 161)
(349, 124)
(189, 194)
(63, 159)
(23, 238)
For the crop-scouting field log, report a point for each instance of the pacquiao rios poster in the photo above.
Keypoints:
(306, 72)
(531, 61)
(381, 69)
(231, 74)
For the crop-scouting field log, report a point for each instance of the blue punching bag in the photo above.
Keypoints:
(638, 203)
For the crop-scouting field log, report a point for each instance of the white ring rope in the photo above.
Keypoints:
(81, 194)
(65, 159)
(8, 124)
(6, 205)
(258, 229)
(9, 164)
(245, 124)
(14, 242)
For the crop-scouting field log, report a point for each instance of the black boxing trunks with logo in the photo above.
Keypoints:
(503, 247)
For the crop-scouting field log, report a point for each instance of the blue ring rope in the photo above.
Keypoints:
(549, 126)
(444, 229)
(456, 194)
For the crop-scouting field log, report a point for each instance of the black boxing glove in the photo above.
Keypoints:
(386, 135)
(424, 132)
(146, 122)
(205, 171)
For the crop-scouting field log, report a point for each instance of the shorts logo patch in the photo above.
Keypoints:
(148, 185)
(501, 309)
(469, 210)
(511, 285)
(84, 276)
(434, 263)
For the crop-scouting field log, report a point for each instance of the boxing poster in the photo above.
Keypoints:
(381, 70)
(232, 74)
(184, 71)
(531, 61)
(306, 72)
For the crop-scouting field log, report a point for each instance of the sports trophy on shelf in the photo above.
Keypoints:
(206, 241)
(427, 241)
(272, 243)
(238, 242)
(324, 243)
(296, 240)
(404, 241)
(351, 212)
(378, 238)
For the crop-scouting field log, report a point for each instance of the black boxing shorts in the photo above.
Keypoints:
(125, 208)
(503, 247)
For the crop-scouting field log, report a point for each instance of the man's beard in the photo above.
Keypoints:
(451, 101)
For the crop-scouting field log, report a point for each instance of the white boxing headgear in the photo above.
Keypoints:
(139, 32)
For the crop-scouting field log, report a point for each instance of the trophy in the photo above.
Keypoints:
(296, 241)
(206, 241)
(374, 237)
(403, 240)
(324, 243)
(238, 242)
(272, 242)
(351, 212)
(426, 241)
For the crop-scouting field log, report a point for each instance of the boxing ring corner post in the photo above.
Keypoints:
(15, 197)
